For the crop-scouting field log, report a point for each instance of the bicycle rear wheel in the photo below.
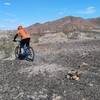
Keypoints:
(31, 54)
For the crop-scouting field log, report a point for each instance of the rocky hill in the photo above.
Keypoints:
(69, 24)
(95, 21)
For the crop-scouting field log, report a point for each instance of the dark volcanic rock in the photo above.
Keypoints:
(45, 79)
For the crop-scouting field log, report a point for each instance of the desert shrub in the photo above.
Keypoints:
(35, 38)
(7, 47)
(90, 31)
(69, 28)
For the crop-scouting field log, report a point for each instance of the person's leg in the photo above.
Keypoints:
(25, 46)
(22, 44)
(28, 42)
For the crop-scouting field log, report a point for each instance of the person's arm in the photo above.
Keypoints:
(15, 37)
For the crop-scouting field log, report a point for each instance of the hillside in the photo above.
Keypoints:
(69, 23)
(95, 21)
(64, 29)
(66, 65)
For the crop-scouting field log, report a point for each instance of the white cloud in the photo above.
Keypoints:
(61, 13)
(7, 3)
(89, 10)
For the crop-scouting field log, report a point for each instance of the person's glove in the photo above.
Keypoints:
(14, 40)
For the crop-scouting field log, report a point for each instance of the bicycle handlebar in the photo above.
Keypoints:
(16, 40)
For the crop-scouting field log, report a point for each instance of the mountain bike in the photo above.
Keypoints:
(26, 53)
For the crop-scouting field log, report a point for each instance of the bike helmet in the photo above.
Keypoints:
(20, 27)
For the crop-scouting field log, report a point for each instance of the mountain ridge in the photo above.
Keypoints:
(69, 23)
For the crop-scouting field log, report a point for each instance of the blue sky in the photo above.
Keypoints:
(27, 12)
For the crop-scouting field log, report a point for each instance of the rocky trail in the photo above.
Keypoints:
(47, 77)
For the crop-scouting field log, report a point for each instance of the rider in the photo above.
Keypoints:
(24, 35)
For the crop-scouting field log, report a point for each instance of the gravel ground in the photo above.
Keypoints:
(45, 78)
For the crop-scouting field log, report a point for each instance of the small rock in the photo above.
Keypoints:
(67, 76)
(57, 98)
(91, 84)
(43, 96)
(73, 75)
(83, 66)
(83, 98)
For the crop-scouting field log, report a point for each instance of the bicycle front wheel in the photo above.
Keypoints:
(17, 52)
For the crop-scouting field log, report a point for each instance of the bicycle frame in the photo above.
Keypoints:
(18, 42)
(25, 48)
(27, 53)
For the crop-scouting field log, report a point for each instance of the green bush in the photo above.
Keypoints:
(7, 47)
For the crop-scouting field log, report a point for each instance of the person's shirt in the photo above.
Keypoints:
(23, 34)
